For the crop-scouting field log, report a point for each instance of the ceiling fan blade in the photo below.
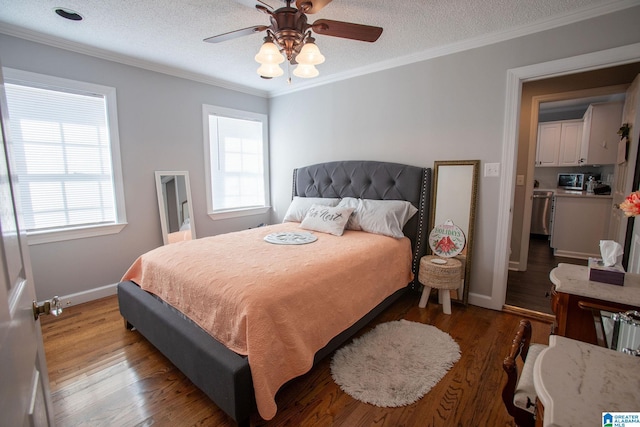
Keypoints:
(346, 30)
(235, 34)
(248, 3)
(252, 3)
(313, 5)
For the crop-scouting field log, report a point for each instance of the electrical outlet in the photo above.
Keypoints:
(492, 169)
(519, 179)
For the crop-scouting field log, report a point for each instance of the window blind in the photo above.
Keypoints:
(237, 163)
(61, 147)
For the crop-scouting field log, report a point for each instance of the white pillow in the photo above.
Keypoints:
(327, 219)
(300, 205)
(351, 202)
(386, 217)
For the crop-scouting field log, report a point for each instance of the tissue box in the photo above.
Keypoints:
(598, 272)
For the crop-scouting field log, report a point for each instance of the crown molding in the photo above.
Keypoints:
(60, 43)
(473, 43)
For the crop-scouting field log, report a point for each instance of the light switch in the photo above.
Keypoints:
(492, 169)
(519, 179)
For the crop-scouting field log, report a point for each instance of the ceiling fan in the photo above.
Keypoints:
(289, 37)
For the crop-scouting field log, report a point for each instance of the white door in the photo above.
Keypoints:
(623, 178)
(24, 382)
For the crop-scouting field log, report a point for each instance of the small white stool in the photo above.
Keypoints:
(445, 275)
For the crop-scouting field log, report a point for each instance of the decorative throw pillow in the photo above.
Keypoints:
(386, 217)
(326, 219)
(351, 202)
(300, 205)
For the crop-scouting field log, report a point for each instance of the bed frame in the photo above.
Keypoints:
(225, 376)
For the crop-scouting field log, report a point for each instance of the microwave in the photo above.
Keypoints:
(571, 181)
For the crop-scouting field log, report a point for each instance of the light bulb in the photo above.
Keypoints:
(310, 55)
(305, 71)
(269, 54)
(270, 70)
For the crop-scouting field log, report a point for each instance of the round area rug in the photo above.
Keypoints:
(395, 364)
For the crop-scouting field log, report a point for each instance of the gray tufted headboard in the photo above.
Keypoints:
(373, 180)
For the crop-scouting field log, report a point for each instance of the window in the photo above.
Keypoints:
(236, 162)
(64, 143)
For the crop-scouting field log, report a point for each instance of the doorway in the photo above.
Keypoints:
(527, 280)
(561, 98)
(512, 127)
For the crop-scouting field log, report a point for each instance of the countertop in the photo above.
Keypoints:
(572, 193)
(576, 382)
(560, 192)
(574, 279)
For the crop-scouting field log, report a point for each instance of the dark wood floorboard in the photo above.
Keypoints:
(103, 375)
(530, 289)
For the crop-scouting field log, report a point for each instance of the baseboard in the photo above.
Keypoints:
(543, 317)
(572, 254)
(88, 295)
(514, 265)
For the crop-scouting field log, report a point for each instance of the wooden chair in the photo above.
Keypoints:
(519, 394)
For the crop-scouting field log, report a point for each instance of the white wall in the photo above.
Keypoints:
(160, 129)
(446, 108)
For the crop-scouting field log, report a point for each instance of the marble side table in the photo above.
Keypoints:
(574, 279)
(576, 382)
(572, 287)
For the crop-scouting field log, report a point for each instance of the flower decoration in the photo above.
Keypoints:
(631, 205)
(624, 131)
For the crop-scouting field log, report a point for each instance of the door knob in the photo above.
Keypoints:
(53, 306)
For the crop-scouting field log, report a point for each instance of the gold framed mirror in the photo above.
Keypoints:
(455, 193)
(174, 204)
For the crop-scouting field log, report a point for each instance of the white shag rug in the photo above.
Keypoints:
(395, 364)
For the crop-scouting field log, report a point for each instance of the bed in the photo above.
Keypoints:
(226, 375)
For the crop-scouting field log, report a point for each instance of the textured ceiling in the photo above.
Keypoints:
(166, 35)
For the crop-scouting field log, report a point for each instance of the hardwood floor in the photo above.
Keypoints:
(530, 289)
(103, 375)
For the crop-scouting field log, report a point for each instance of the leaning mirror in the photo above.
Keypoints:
(455, 190)
(174, 203)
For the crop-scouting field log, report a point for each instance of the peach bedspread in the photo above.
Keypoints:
(277, 304)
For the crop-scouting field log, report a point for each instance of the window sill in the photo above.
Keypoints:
(37, 238)
(235, 213)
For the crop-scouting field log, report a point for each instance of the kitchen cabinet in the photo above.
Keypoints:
(579, 223)
(600, 134)
(559, 143)
(548, 148)
(570, 143)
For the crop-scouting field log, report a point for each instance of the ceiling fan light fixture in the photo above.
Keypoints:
(289, 37)
(310, 54)
(306, 71)
(269, 71)
(269, 54)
